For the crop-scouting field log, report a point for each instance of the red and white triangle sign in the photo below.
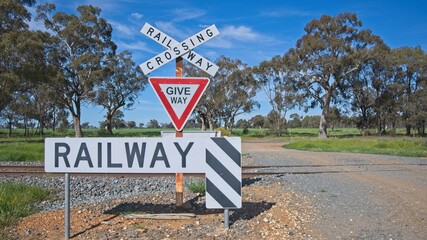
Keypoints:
(179, 96)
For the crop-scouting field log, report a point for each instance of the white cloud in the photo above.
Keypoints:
(138, 45)
(136, 15)
(285, 13)
(170, 29)
(123, 29)
(183, 14)
(241, 33)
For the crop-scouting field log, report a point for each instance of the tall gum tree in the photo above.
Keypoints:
(83, 42)
(273, 77)
(19, 49)
(120, 86)
(325, 57)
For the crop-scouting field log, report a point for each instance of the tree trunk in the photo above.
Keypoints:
(77, 126)
(109, 124)
(408, 130)
(323, 125)
(202, 121)
(9, 133)
(210, 122)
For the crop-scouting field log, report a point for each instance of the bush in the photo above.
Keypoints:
(197, 186)
(224, 132)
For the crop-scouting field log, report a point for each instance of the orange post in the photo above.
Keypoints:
(179, 177)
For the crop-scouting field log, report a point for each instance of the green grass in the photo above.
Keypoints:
(399, 146)
(17, 200)
(21, 151)
(20, 148)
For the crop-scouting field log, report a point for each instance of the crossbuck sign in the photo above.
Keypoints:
(177, 49)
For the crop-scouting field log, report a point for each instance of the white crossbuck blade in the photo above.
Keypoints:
(176, 49)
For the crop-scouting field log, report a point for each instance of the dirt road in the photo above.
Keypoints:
(358, 196)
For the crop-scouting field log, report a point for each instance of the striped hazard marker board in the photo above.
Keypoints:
(224, 174)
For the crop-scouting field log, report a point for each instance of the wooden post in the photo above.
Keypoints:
(179, 177)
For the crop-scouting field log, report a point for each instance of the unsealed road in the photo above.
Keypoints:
(360, 196)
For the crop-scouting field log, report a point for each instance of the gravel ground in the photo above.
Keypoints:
(384, 198)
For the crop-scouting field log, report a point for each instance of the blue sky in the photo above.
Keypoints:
(252, 31)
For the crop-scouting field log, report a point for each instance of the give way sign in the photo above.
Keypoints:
(179, 96)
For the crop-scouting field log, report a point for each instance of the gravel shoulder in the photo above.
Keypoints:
(358, 196)
(384, 197)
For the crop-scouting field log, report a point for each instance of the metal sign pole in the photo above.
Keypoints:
(226, 218)
(179, 177)
(67, 206)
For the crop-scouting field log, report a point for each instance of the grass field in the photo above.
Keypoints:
(17, 200)
(398, 146)
(19, 148)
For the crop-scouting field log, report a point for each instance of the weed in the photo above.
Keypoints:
(197, 186)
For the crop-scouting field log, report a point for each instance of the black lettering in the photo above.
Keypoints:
(208, 65)
(191, 40)
(149, 67)
(99, 155)
(199, 62)
(168, 45)
(187, 91)
(169, 90)
(185, 46)
(62, 154)
(168, 55)
(109, 163)
(157, 37)
(140, 154)
(176, 50)
(159, 60)
(209, 33)
(150, 31)
(183, 153)
(83, 151)
(191, 55)
(157, 157)
(200, 38)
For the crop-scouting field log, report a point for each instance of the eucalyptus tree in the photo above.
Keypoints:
(82, 43)
(411, 74)
(120, 87)
(21, 50)
(205, 110)
(325, 57)
(230, 93)
(236, 89)
(274, 78)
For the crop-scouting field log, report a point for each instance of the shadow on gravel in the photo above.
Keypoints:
(249, 181)
(132, 207)
(196, 205)
(250, 210)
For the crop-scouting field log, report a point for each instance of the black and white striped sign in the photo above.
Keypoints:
(224, 174)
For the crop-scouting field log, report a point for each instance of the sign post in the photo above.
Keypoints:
(179, 177)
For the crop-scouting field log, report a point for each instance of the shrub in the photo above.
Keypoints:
(224, 132)
(197, 186)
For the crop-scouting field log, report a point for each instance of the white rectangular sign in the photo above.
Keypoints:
(182, 48)
(128, 155)
(191, 56)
